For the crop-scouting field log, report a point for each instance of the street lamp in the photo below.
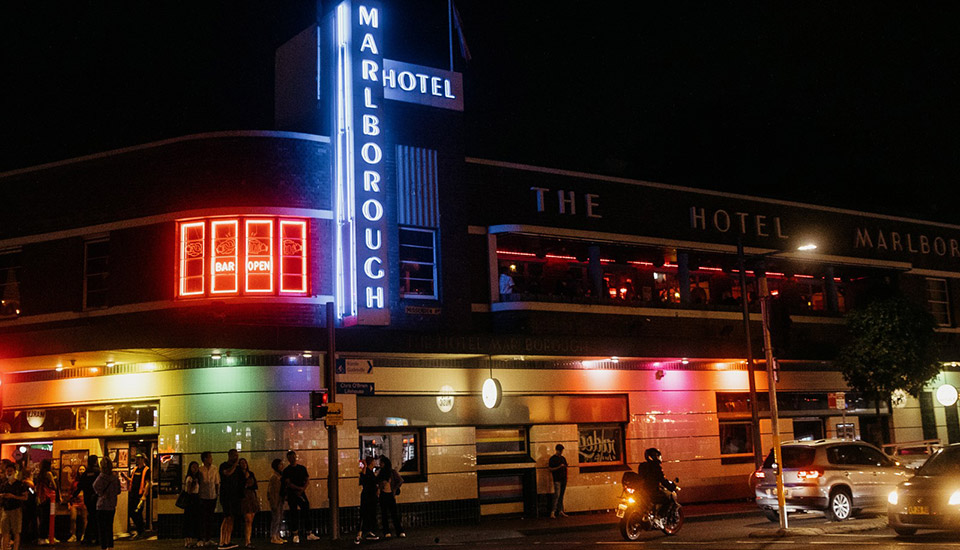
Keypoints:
(764, 292)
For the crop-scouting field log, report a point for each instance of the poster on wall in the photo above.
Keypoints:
(171, 473)
(601, 444)
(70, 463)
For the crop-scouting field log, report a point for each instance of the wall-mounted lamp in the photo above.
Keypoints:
(307, 354)
(216, 355)
(110, 364)
(946, 395)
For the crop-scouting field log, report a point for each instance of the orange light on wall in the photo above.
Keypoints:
(259, 256)
(223, 258)
(191, 258)
(293, 257)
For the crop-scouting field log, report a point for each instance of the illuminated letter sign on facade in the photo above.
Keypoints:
(259, 256)
(223, 257)
(191, 258)
(293, 257)
(252, 257)
(361, 257)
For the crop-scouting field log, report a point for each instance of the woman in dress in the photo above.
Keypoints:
(107, 487)
(77, 508)
(276, 501)
(250, 504)
(191, 512)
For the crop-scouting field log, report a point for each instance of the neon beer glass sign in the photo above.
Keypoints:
(361, 222)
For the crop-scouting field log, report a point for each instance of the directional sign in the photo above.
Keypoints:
(357, 388)
(354, 366)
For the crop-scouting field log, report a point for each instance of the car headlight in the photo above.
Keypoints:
(955, 498)
(893, 497)
(631, 500)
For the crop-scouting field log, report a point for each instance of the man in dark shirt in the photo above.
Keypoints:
(231, 494)
(558, 467)
(294, 481)
(13, 493)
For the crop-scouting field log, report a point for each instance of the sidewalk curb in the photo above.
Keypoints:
(854, 526)
(611, 524)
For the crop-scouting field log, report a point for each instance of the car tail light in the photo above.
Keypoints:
(810, 474)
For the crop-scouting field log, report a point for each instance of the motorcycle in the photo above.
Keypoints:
(636, 515)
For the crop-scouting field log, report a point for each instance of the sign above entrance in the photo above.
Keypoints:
(422, 85)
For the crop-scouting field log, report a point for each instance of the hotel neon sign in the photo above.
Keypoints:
(361, 256)
(269, 257)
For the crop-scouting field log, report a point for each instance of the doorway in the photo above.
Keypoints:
(123, 454)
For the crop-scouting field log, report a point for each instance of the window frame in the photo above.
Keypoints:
(504, 457)
(608, 465)
(87, 243)
(388, 431)
(400, 246)
(945, 302)
(17, 269)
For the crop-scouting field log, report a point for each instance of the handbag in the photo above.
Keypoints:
(183, 500)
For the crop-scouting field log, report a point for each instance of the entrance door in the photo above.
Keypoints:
(123, 454)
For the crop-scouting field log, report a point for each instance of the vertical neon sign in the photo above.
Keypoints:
(191, 258)
(259, 256)
(360, 251)
(223, 257)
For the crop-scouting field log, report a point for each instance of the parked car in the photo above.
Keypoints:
(837, 476)
(912, 454)
(931, 498)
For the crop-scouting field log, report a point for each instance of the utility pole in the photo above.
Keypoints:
(751, 368)
(772, 384)
(333, 447)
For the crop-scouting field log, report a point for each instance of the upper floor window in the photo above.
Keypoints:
(418, 263)
(96, 263)
(939, 300)
(10, 273)
(232, 256)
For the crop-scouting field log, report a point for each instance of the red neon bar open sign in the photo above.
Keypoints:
(233, 256)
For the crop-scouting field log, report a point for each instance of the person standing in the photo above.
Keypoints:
(107, 487)
(191, 512)
(13, 493)
(250, 504)
(78, 510)
(388, 482)
(209, 491)
(137, 495)
(28, 534)
(46, 488)
(368, 501)
(558, 467)
(295, 480)
(276, 501)
(231, 494)
(85, 486)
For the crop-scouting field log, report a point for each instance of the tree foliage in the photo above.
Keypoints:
(893, 346)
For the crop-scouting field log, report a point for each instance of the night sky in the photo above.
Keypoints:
(850, 104)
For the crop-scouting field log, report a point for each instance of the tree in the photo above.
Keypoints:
(893, 346)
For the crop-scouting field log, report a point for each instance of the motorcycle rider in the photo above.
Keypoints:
(654, 485)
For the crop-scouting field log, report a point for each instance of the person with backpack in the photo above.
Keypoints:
(389, 482)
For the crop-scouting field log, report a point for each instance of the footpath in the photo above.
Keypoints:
(512, 528)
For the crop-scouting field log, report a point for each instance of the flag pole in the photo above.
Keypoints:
(450, 29)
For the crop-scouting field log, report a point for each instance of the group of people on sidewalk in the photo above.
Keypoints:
(234, 485)
(379, 487)
(26, 501)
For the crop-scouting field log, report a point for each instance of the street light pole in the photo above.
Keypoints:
(772, 385)
(751, 368)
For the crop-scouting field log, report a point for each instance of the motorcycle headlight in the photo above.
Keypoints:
(893, 497)
(955, 498)
(630, 490)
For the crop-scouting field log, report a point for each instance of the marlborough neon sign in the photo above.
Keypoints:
(234, 255)
(361, 254)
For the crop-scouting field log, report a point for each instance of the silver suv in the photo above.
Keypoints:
(837, 476)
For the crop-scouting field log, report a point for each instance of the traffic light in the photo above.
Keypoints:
(318, 404)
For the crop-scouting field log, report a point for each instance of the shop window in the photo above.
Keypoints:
(735, 434)
(502, 445)
(96, 264)
(405, 449)
(938, 300)
(418, 263)
(95, 417)
(600, 445)
(10, 284)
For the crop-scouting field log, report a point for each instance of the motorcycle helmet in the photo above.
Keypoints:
(652, 454)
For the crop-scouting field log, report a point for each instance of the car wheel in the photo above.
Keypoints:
(840, 506)
(772, 515)
(905, 531)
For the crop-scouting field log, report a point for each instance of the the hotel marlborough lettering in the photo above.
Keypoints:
(744, 223)
(894, 241)
(361, 247)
